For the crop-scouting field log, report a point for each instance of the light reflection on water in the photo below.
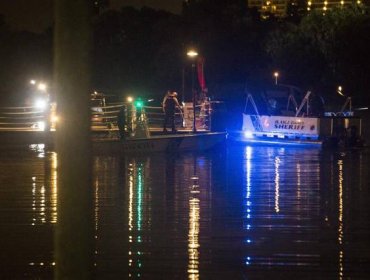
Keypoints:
(243, 213)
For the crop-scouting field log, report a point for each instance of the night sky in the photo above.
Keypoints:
(36, 15)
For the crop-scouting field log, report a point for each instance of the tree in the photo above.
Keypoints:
(327, 49)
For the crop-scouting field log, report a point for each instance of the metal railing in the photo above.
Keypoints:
(103, 118)
(22, 118)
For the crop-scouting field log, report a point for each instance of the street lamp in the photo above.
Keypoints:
(193, 54)
(276, 75)
(42, 87)
(340, 90)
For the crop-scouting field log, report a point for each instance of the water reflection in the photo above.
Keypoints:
(193, 236)
(249, 213)
(136, 183)
(277, 178)
(340, 219)
(283, 206)
(42, 183)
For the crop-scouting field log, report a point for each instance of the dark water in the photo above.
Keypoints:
(239, 213)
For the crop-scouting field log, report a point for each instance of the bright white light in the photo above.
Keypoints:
(32, 82)
(340, 90)
(54, 118)
(130, 99)
(192, 53)
(42, 86)
(40, 125)
(248, 134)
(41, 104)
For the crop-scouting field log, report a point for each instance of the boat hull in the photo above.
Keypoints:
(240, 138)
(110, 143)
(299, 131)
(162, 143)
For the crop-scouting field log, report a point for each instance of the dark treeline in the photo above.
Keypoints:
(143, 51)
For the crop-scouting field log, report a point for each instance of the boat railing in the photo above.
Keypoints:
(183, 116)
(26, 118)
(251, 101)
(305, 102)
(103, 117)
(291, 99)
(349, 104)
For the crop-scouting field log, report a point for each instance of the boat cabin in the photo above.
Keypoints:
(286, 114)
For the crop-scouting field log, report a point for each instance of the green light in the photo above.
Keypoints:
(139, 104)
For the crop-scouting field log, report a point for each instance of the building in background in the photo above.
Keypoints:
(285, 8)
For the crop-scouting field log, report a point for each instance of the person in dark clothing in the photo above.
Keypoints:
(121, 122)
(169, 105)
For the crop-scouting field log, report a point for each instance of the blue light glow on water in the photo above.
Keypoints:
(248, 201)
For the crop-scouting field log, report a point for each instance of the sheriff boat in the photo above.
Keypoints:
(284, 122)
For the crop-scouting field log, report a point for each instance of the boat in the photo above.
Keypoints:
(284, 122)
(138, 138)
(142, 134)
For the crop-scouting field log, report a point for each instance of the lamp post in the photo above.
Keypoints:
(276, 75)
(193, 54)
(183, 84)
(340, 90)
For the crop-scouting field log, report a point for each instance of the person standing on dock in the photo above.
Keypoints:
(169, 105)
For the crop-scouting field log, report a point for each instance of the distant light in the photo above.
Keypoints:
(248, 134)
(130, 99)
(32, 82)
(41, 104)
(54, 119)
(276, 74)
(42, 86)
(192, 53)
(340, 90)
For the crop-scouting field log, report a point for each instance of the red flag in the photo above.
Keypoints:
(201, 79)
